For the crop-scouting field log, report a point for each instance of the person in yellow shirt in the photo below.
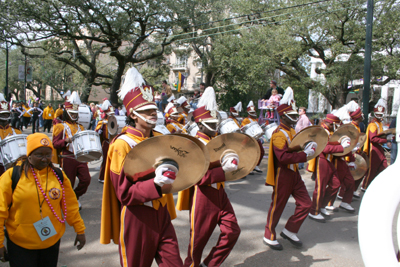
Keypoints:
(26, 117)
(35, 204)
(5, 129)
(136, 215)
(48, 116)
(172, 116)
(234, 112)
(58, 117)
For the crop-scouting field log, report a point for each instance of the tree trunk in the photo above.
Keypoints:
(117, 82)
(86, 91)
(341, 97)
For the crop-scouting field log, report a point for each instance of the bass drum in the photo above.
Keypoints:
(84, 116)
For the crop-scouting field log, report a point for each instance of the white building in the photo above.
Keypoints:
(317, 103)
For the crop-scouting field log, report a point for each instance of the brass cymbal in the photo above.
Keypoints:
(200, 144)
(315, 134)
(245, 146)
(112, 125)
(362, 167)
(192, 162)
(388, 131)
(345, 130)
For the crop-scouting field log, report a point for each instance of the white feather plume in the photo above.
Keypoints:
(132, 80)
(172, 97)
(352, 106)
(208, 99)
(170, 105)
(381, 103)
(68, 93)
(342, 113)
(106, 104)
(2, 97)
(287, 97)
(181, 100)
(74, 98)
(250, 103)
(238, 106)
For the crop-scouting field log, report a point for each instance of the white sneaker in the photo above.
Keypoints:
(346, 206)
(363, 189)
(325, 212)
(318, 217)
(80, 205)
(202, 265)
(291, 235)
(331, 208)
(339, 197)
(257, 169)
(356, 194)
(274, 244)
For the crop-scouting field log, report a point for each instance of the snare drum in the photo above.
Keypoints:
(161, 129)
(84, 116)
(116, 124)
(87, 146)
(228, 126)
(269, 130)
(193, 128)
(253, 129)
(223, 115)
(12, 147)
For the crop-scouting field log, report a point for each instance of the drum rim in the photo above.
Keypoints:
(84, 132)
(250, 124)
(225, 122)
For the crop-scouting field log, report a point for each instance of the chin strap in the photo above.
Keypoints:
(208, 127)
(290, 118)
(69, 114)
(140, 116)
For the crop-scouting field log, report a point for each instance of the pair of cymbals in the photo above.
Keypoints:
(348, 130)
(315, 134)
(187, 152)
(388, 131)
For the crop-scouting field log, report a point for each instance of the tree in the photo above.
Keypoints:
(130, 32)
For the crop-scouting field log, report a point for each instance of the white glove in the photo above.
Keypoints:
(345, 142)
(352, 166)
(100, 131)
(164, 176)
(356, 148)
(230, 162)
(310, 149)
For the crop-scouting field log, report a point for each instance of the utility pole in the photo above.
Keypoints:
(367, 59)
(24, 88)
(6, 88)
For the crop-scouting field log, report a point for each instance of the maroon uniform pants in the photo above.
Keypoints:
(327, 184)
(262, 152)
(377, 163)
(211, 206)
(287, 183)
(2, 170)
(73, 169)
(104, 147)
(347, 185)
(147, 234)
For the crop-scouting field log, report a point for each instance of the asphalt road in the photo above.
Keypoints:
(334, 243)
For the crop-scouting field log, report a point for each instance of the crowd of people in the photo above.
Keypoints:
(37, 198)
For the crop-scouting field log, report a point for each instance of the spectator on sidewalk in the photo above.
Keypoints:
(302, 123)
(48, 116)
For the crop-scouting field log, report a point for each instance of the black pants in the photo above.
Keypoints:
(22, 257)
(47, 125)
(15, 122)
(25, 121)
(35, 124)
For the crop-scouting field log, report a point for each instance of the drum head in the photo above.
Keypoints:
(190, 158)
(112, 125)
(88, 156)
(245, 146)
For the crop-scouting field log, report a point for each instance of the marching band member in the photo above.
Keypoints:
(16, 114)
(234, 112)
(62, 138)
(136, 215)
(253, 117)
(252, 114)
(171, 121)
(209, 205)
(184, 109)
(283, 174)
(343, 170)
(35, 113)
(101, 128)
(25, 115)
(356, 117)
(5, 128)
(372, 146)
(327, 182)
(58, 116)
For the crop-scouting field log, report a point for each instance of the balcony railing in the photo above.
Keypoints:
(180, 66)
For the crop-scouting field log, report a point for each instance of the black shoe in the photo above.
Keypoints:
(294, 242)
(275, 247)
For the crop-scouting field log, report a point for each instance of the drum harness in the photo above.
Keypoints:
(66, 128)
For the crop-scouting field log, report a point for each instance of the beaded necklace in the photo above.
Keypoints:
(47, 200)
